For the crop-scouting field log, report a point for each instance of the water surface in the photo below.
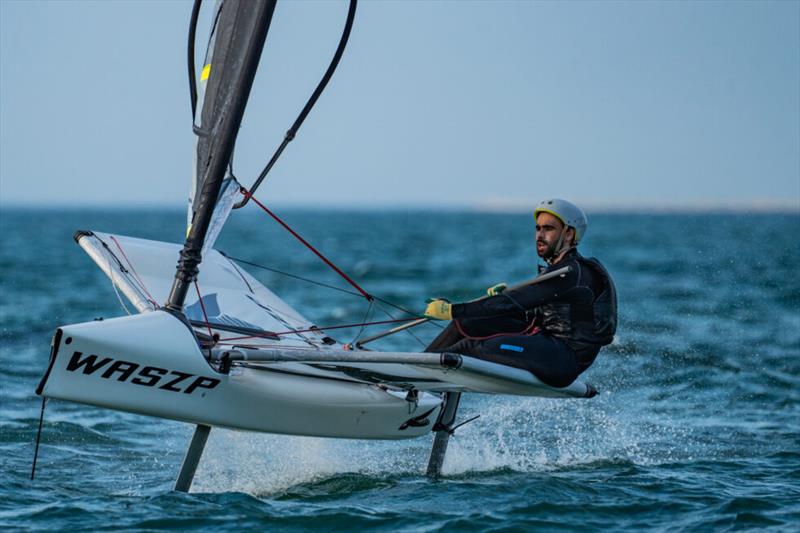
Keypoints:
(697, 425)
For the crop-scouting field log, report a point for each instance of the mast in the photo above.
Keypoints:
(240, 30)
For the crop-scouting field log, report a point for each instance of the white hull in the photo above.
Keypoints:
(132, 364)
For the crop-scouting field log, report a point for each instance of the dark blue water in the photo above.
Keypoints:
(697, 425)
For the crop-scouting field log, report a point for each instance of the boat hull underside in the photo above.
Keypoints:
(150, 364)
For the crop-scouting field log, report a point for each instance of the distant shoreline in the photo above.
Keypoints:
(489, 208)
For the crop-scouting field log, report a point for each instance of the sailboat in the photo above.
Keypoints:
(210, 345)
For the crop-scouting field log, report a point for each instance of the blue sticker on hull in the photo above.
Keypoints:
(512, 348)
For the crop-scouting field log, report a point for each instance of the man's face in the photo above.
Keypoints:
(548, 230)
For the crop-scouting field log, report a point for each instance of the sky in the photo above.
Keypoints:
(493, 105)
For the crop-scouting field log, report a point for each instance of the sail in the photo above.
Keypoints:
(229, 196)
(204, 100)
(204, 115)
(238, 32)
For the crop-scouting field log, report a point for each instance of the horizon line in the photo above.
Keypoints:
(498, 206)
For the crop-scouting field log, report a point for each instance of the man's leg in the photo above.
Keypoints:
(479, 327)
(448, 337)
(547, 358)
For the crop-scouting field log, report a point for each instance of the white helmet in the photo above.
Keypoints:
(567, 212)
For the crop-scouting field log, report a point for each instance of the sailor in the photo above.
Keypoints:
(554, 328)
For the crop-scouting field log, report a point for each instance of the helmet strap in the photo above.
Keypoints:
(560, 248)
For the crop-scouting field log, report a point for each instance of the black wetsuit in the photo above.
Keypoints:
(553, 329)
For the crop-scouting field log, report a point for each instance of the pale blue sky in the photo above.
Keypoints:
(434, 103)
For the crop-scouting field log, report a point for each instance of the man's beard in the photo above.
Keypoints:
(553, 249)
(549, 251)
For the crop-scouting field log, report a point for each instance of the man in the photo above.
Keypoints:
(553, 328)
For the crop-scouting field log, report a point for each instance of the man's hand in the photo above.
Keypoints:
(439, 309)
(496, 289)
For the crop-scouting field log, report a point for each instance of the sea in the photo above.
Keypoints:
(696, 426)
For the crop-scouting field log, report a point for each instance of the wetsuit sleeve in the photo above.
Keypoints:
(518, 300)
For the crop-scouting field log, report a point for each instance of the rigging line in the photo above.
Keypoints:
(113, 283)
(321, 284)
(318, 329)
(122, 269)
(290, 135)
(192, 33)
(135, 274)
(119, 298)
(190, 53)
(387, 313)
(295, 276)
(327, 261)
(238, 271)
(203, 308)
(364, 321)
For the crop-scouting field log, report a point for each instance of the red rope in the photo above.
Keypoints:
(203, 308)
(270, 334)
(529, 330)
(307, 244)
(135, 274)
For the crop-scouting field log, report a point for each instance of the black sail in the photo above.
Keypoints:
(237, 39)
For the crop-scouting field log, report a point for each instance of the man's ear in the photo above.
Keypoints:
(571, 235)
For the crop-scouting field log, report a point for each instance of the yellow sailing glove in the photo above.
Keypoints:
(494, 290)
(439, 309)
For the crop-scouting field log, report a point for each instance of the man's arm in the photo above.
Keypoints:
(519, 300)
